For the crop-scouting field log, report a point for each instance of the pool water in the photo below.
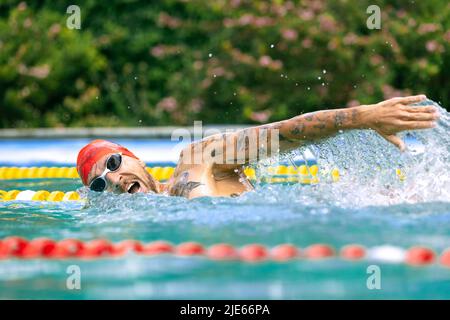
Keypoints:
(369, 206)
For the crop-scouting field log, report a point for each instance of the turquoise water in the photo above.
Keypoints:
(370, 206)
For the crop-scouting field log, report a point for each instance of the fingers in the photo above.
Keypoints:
(412, 99)
(412, 125)
(420, 116)
(406, 100)
(395, 141)
(429, 109)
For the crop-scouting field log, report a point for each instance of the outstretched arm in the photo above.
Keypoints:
(387, 118)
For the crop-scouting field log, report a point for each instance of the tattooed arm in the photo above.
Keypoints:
(387, 118)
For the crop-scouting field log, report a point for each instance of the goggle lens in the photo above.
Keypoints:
(114, 162)
(98, 184)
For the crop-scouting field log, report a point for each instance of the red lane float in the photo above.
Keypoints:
(97, 248)
(67, 248)
(189, 249)
(353, 252)
(17, 247)
(418, 256)
(445, 258)
(12, 246)
(253, 253)
(284, 252)
(40, 247)
(158, 247)
(222, 251)
(127, 246)
(319, 251)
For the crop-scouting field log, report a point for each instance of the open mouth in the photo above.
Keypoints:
(134, 187)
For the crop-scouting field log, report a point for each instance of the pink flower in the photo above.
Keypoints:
(376, 59)
(235, 3)
(196, 105)
(262, 22)
(265, 61)
(260, 116)
(306, 14)
(327, 23)
(289, 34)
(54, 30)
(39, 72)
(350, 38)
(167, 104)
(168, 21)
(432, 45)
(157, 51)
(412, 22)
(228, 23)
(307, 43)
(218, 71)
(353, 103)
(390, 92)
(22, 6)
(427, 27)
(245, 19)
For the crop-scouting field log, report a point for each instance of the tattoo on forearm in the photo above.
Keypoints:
(183, 187)
(339, 119)
(298, 129)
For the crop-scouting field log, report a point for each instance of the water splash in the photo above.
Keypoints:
(370, 166)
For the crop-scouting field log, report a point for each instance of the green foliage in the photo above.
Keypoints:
(172, 62)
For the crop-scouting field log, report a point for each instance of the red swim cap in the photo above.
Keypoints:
(93, 152)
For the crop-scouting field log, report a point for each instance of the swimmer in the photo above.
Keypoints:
(214, 166)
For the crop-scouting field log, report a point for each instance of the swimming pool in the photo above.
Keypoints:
(370, 206)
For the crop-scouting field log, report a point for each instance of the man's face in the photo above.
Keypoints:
(131, 176)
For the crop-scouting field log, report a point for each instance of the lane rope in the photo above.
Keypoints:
(279, 174)
(44, 248)
(303, 173)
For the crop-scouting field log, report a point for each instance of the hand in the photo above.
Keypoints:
(396, 114)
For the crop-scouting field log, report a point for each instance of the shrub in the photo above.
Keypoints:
(172, 62)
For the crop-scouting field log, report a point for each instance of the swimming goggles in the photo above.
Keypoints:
(113, 163)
